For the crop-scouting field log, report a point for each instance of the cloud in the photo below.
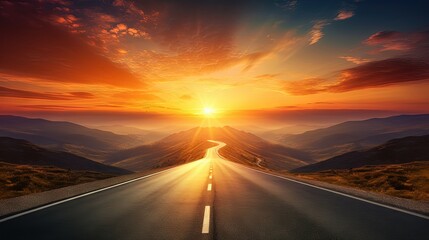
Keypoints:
(412, 65)
(82, 94)
(381, 37)
(398, 41)
(51, 107)
(306, 86)
(122, 51)
(267, 76)
(119, 3)
(173, 38)
(122, 30)
(286, 4)
(355, 60)
(194, 36)
(382, 73)
(388, 41)
(252, 59)
(316, 32)
(369, 75)
(186, 97)
(284, 45)
(136, 95)
(343, 15)
(16, 93)
(33, 46)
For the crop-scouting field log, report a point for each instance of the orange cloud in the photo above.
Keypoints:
(343, 15)
(16, 93)
(398, 41)
(368, 75)
(135, 95)
(316, 32)
(186, 97)
(32, 46)
(267, 76)
(51, 107)
(382, 73)
(355, 60)
(82, 94)
(306, 86)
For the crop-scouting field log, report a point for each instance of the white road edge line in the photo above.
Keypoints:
(349, 196)
(336, 192)
(209, 187)
(206, 220)
(78, 196)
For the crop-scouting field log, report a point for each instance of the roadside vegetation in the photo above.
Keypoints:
(409, 180)
(17, 180)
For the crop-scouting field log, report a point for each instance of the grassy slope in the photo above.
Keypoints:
(18, 180)
(409, 180)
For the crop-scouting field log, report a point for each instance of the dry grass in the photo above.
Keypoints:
(239, 155)
(410, 180)
(18, 180)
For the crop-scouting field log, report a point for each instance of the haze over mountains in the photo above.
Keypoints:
(357, 135)
(127, 151)
(396, 151)
(143, 134)
(191, 144)
(66, 136)
(132, 153)
(22, 152)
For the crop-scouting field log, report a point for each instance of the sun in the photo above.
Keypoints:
(208, 111)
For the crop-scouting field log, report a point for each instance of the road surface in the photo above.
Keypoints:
(214, 199)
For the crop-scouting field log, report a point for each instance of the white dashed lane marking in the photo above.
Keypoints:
(206, 221)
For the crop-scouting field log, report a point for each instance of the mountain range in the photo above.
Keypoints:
(66, 136)
(396, 151)
(295, 151)
(356, 135)
(191, 144)
(22, 152)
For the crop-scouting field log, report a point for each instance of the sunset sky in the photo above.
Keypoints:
(161, 60)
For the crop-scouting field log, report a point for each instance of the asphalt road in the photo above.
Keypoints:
(215, 199)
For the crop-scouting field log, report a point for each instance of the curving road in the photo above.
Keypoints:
(215, 199)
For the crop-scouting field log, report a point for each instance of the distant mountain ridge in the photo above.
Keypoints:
(22, 152)
(162, 153)
(146, 135)
(358, 135)
(65, 136)
(191, 144)
(396, 151)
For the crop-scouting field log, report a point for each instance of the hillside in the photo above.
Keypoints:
(159, 154)
(22, 152)
(190, 145)
(66, 136)
(357, 135)
(396, 151)
(406, 180)
(146, 136)
(17, 180)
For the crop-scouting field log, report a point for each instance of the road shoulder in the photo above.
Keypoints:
(11, 206)
(395, 202)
